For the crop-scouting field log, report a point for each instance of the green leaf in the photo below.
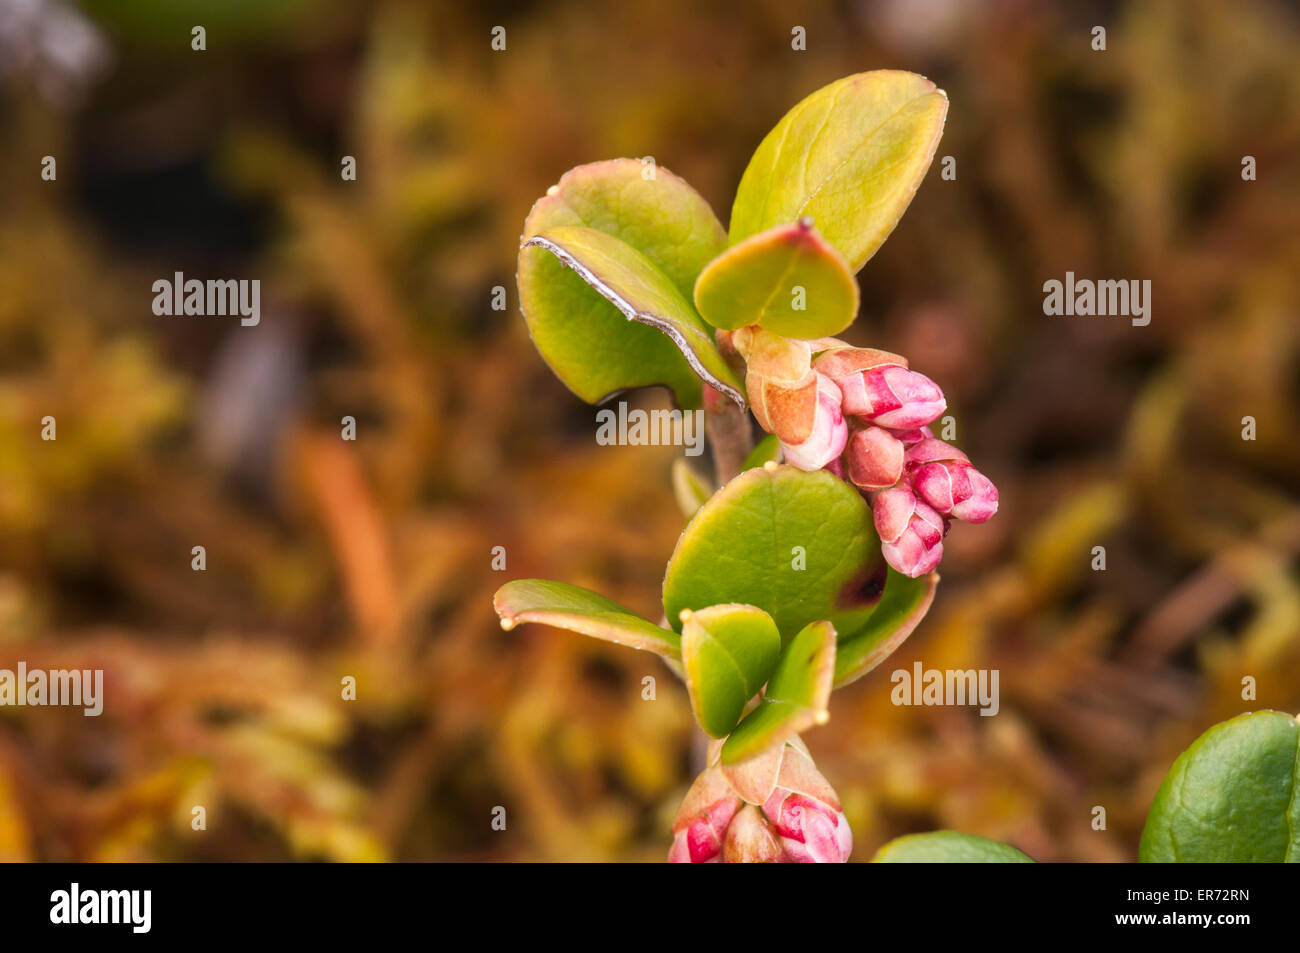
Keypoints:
(689, 488)
(796, 696)
(634, 285)
(728, 652)
(581, 610)
(768, 449)
(787, 279)
(589, 345)
(1233, 796)
(900, 610)
(801, 546)
(850, 156)
(948, 847)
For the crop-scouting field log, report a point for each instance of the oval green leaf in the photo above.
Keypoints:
(571, 607)
(850, 156)
(591, 347)
(787, 279)
(1233, 796)
(728, 653)
(801, 546)
(948, 847)
(635, 286)
(796, 697)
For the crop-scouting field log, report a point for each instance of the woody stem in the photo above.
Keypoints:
(730, 436)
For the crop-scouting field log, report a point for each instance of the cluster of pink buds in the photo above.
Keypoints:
(864, 415)
(774, 808)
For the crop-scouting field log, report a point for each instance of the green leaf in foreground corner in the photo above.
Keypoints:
(800, 546)
(1231, 797)
(589, 345)
(796, 696)
(634, 285)
(787, 279)
(948, 847)
(850, 156)
(581, 610)
(728, 652)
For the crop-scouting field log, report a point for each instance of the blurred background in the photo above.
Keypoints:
(372, 558)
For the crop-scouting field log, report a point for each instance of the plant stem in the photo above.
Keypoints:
(730, 440)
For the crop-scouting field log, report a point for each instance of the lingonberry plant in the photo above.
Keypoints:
(792, 578)
(1232, 797)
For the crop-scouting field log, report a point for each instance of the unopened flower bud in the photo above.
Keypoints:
(879, 386)
(911, 531)
(874, 458)
(751, 839)
(942, 476)
(703, 819)
(829, 431)
(772, 808)
(812, 832)
(805, 812)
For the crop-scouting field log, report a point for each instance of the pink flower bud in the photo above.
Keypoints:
(703, 819)
(811, 831)
(892, 396)
(911, 532)
(877, 385)
(874, 458)
(829, 433)
(805, 811)
(772, 808)
(929, 448)
(943, 477)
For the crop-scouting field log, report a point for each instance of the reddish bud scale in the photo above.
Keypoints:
(751, 840)
(829, 431)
